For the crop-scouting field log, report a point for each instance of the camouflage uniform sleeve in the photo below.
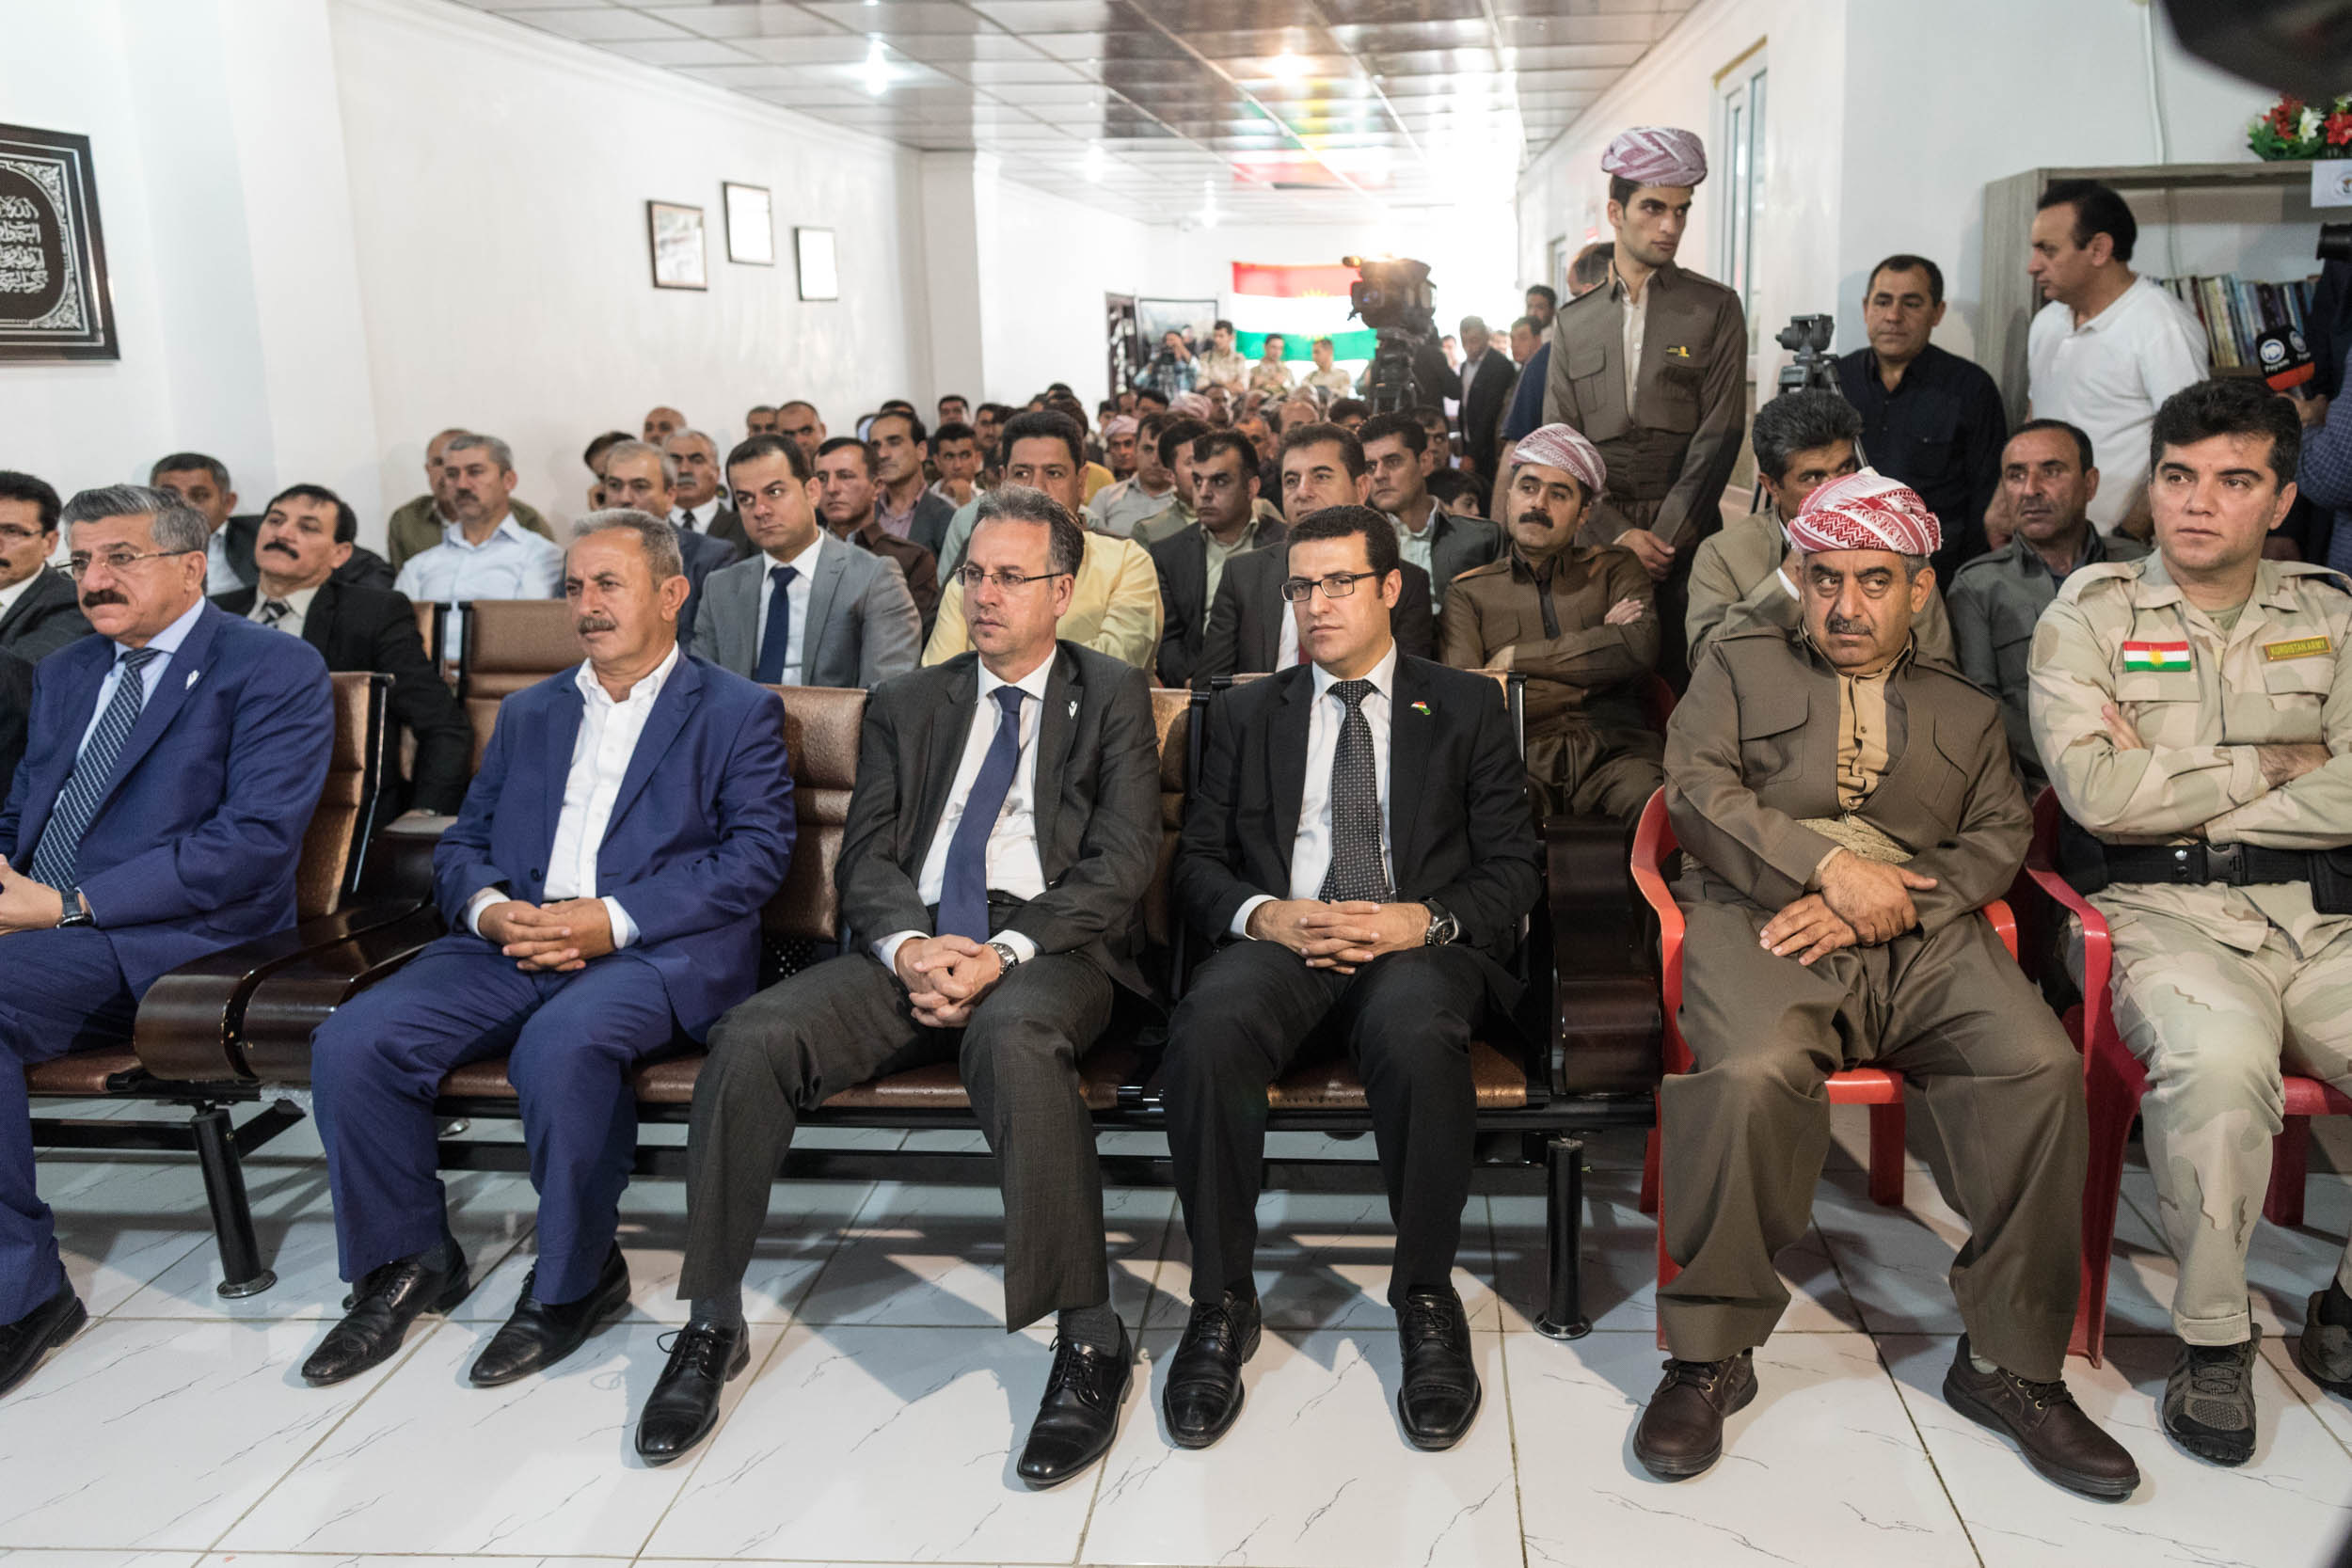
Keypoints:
(2109, 791)
(2314, 812)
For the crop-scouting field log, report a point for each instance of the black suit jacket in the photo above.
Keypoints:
(1460, 831)
(1097, 811)
(1246, 622)
(1484, 398)
(726, 525)
(45, 617)
(16, 711)
(365, 570)
(1183, 562)
(376, 630)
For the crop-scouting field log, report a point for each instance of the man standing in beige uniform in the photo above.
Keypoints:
(1845, 805)
(1653, 370)
(2194, 710)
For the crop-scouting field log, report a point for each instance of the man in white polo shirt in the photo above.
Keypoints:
(2109, 347)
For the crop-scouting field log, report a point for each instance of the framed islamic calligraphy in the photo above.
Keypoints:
(53, 299)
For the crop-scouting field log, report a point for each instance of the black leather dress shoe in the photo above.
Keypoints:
(383, 1304)
(1681, 1431)
(684, 1404)
(536, 1335)
(23, 1342)
(1441, 1395)
(1079, 1415)
(1203, 1393)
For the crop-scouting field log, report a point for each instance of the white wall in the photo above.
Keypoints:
(1052, 261)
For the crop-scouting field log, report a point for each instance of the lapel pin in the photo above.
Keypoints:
(1074, 708)
(1421, 708)
(192, 675)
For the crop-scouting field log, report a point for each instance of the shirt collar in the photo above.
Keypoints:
(455, 534)
(10, 595)
(642, 694)
(1382, 675)
(804, 562)
(1033, 682)
(299, 601)
(168, 641)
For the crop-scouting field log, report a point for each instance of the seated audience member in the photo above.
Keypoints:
(1383, 922)
(903, 503)
(956, 453)
(661, 425)
(1115, 603)
(593, 456)
(416, 525)
(1224, 365)
(1429, 536)
(988, 423)
(1269, 376)
(1097, 477)
(1579, 622)
(1349, 414)
(1326, 376)
(1119, 449)
(304, 534)
(1831, 922)
(1251, 625)
(1746, 575)
(1191, 562)
(955, 408)
(601, 904)
(1930, 418)
(641, 478)
(484, 553)
(808, 609)
(1178, 431)
(1004, 826)
(156, 817)
(39, 612)
(798, 420)
(699, 499)
(1118, 507)
(845, 481)
(2191, 709)
(203, 483)
(2048, 480)
(16, 713)
(760, 420)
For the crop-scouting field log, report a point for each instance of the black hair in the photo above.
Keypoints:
(1221, 325)
(1590, 269)
(2229, 405)
(190, 462)
(753, 448)
(2082, 437)
(605, 443)
(346, 520)
(1346, 408)
(1621, 189)
(1341, 522)
(1206, 445)
(915, 432)
(839, 443)
(15, 486)
(1041, 424)
(1152, 393)
(1552, 295)
(1177, 434)
(1351, 448)
(1905, 262)
(954, 430)
(1799, 422)
(1405, 427)
(2097, 211)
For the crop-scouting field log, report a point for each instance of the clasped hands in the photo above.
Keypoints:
(26, 905)
(1339, 936)
(946, 977)
(1861, 901)
(540, 938)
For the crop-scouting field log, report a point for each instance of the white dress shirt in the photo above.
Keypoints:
(698, 517)
(1310, 852)
(1015, 865)
(169, 639)
(609, 732)
(10, 592)
(297, 609)
(512, 563)
(2108, 374)
(805, 566)
(219, 577)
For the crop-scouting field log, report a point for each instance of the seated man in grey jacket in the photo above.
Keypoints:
(809, 609)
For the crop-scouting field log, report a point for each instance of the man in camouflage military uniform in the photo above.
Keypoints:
(2195, 712)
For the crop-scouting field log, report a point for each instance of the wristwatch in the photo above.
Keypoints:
(1005, 956)
(76, 912)
(1443, 928)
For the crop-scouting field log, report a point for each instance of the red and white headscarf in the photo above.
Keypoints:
(1866, 511)
(1657, 155)
(1560, 445)
(1190, 406)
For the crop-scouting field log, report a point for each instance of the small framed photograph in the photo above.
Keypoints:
(751, 226)
(676, 236)
(819, 278)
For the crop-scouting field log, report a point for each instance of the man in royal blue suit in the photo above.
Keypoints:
(603, 886)
(173, 762)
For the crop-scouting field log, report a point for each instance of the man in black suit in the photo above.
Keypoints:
(1251, 628)
(16, 710)
(305, 535)
(39, 612)
(700, 500)
(1360, 845)
(647, 478)
(1192, 561)
(1005, 825)
(1427, 535)
(1486, 375)
(203, 483)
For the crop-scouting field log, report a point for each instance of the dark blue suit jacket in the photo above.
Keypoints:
(194, 847)
(700, 837)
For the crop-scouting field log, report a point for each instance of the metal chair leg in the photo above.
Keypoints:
(242, 1273)
(1563, 1213)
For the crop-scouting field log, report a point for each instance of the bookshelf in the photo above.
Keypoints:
(2009, 297)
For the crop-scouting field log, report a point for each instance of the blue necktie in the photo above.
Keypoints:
(963, 891)
(60, 851)
(777, 640)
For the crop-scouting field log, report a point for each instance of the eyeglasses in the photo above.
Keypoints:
(1004, 582)
(13, 535)
(1338, 585)
(77, 566)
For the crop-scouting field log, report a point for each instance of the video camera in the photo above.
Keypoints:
(1394, 299)
(1807, 337)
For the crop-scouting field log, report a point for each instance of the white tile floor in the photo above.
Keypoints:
(886, 1401)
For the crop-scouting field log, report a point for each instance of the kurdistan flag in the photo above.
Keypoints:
(1300, 302)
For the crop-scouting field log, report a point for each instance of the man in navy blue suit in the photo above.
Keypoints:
(603, 887)
(173, 762)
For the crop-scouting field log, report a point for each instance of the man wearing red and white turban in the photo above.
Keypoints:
(1845, 809)
(1652, 368)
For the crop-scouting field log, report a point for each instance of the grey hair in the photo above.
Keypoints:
(473, 440)
(690, 435)
(655, 536)
(1798, 421)
(179, 527)
(634, 448)
(1066, 548)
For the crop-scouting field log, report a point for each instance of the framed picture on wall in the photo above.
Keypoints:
(751, 225)
(819, 278)
(676, 233)
(53, 299)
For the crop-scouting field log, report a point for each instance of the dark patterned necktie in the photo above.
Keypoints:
(1356, 871)
(60, 848)
(275, 610)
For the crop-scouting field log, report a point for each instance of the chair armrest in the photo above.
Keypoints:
(2004, 922)
(296, 997)
(400, 859)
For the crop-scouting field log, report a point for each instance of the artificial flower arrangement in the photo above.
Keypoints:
(2294, 129)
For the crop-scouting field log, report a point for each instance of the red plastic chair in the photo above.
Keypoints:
(1880, 1088)
(2113, 1081)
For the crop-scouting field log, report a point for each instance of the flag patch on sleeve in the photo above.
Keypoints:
(2156, 656)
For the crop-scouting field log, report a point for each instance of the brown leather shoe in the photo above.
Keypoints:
(1681, 1434)
(2051, 1429)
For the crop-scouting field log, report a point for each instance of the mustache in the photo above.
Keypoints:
(283, 549)
(1845, 625)
(1542, 519)
(102, 597)
(587, 623)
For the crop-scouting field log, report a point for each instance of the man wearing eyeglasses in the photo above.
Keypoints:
(1359, 846)
(1004, 826)
(39, 612)
(173, 765)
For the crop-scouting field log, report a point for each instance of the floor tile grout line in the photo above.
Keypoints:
(1934, 1467)
(1510, 1413)
(710, 1439)
(2278, 1347)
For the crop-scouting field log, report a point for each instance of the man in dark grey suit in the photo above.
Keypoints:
(1427, 535)
(645, 477)
(1005, 825)
(701, 497)
(807, 608)
(39, 612)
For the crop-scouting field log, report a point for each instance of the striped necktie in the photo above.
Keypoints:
(61, 847)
